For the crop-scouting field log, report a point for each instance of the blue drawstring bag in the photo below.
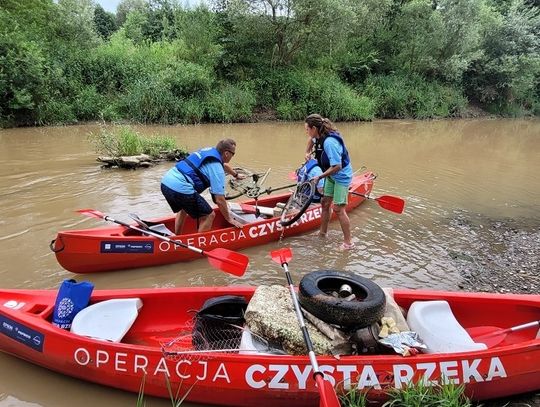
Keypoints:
(72, 297)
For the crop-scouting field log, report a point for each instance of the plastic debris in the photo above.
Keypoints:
(405, 343)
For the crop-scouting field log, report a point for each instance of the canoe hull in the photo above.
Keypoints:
(117, 248)
(246, 380)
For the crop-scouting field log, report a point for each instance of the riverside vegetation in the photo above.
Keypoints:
(127, 148)
(415, 395)
(156, 61)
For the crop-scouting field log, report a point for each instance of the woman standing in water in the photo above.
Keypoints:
(337, 172)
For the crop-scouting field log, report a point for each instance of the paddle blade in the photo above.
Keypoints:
(492, 335)
(281, 256)
(231, 262)
(392, 203)
(91, 213)
(327, 393)
(488, 335)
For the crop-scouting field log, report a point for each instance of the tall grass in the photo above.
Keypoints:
(422, 395)
(414, 395)
(124, 141)
(176, 399)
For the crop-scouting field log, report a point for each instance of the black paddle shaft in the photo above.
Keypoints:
(157, 235)
(305, 333)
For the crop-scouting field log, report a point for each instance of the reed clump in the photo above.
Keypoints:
(125, 141)
(414, 395)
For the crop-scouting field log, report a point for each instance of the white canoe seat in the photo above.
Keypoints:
(439, 329)
(244, 218)
(161, 229)
(107, 320)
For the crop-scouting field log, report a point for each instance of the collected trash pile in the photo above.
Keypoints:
(268, 323)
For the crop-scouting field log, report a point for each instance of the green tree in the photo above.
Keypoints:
(125, 7)
(75, 24)
(199, 31)
(508, 73)
(22, 73)
(105, 22)
(25, 65)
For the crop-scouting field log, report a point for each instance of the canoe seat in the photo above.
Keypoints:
(159, 228)
(244, 218)
(107, 320)
(439, 329)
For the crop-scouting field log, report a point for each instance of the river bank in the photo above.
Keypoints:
(504, 257)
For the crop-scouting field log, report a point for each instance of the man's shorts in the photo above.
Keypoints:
(194, 204)
(338, 192)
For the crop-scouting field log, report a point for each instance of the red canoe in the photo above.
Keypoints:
(509, 367)
(117, 247)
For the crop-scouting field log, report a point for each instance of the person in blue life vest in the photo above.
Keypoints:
(307, 171)
(333, 158)
(182, 185)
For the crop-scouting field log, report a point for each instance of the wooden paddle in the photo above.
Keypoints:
(226, 260)
(493, 335)
(392, 203)
(327, 393)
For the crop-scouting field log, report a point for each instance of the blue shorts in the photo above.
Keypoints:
(194, 204)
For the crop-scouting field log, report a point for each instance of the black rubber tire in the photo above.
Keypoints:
(306, 188)
(315, 297)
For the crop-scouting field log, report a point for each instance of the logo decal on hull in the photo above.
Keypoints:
(22, 334)
(127, 247)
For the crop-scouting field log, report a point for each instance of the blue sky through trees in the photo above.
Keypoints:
(110, 5)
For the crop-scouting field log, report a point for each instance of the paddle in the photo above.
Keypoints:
(223, 259)
(392, 203)
(327, 393)
(492, 335)
(247, 208)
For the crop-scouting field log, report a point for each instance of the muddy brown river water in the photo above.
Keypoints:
(452, 174)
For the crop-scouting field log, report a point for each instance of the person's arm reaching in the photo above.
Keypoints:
(224, 209)
(231, 171)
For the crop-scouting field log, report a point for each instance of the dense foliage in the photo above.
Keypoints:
(155, 61)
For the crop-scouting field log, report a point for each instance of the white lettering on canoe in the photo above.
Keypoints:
(302, 375)
(471, 370)
(138, 366)
(449, 373)
(496, 369)
(285, 376)
(278, 378)
(252, 232)
(428, 369)
(346, 371)
(221, 373)
(120, 362)
(250, 376)
(368, 378)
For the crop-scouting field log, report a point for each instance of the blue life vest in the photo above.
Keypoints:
(303, 171)
(303, 175)
(324, 161)
(190, 166)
